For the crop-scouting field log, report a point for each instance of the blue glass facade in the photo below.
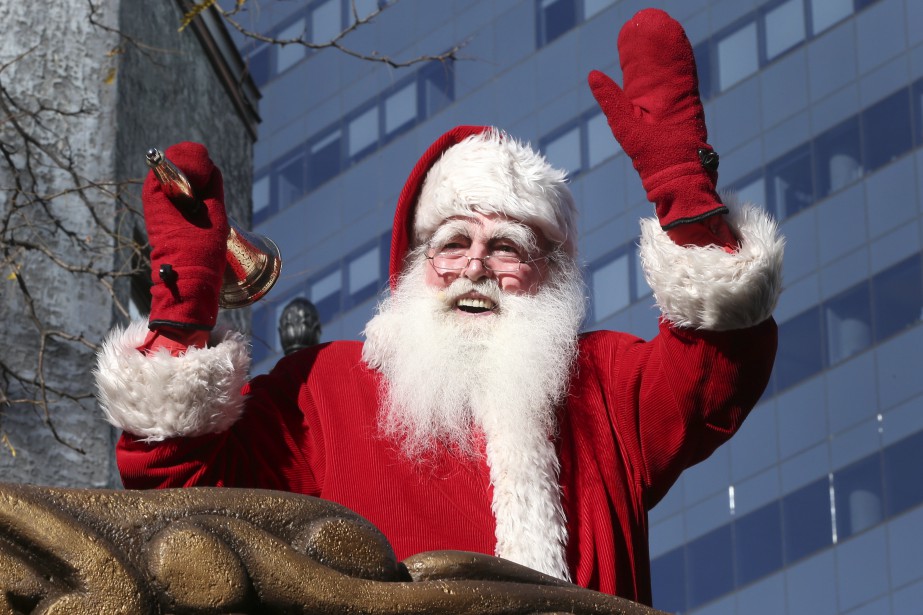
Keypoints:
(816, 107)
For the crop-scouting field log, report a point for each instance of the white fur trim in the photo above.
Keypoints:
(708, 288)
(160, 396)
(492, 173)
(531, 529)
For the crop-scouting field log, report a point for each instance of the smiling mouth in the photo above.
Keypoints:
(471, 305)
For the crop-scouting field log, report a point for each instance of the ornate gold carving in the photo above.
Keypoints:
(210, 551)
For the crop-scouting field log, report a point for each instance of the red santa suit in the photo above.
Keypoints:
(636, 414)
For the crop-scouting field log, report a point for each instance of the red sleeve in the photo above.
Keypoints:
(272, 446)
(677, 398)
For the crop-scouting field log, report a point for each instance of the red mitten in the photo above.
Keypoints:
(187, 248)
(659, 121)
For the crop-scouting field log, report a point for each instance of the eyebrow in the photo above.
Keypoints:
(512, 230)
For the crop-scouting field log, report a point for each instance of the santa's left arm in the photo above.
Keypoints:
(710, 268)
(715, 267)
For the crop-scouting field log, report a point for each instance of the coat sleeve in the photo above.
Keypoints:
(675, 399)
(195, 420)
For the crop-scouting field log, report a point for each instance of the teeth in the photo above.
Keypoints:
(484, 304)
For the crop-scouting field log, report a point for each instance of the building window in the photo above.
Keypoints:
(894, 296)
(752, 190)
(897, 298)
(319, 23)
(758, 543)
(401, 108)
(616, 281)
(363, 132)
(784, 27)
(325, 292)
(849, 323)
(326, 23)
(668, 581)
(555, 17)
(259, 63)
(903, 487)
(363, 272)
(364, 8)
(709, 566)
(260, 193)
(737, 56)
(887, 132)
(592, 7)
(856, 498)
(839, 159)
(437, 88)
(762, 37)
(289, 55)
(859, 502)
(359, 134)
(564, 151)
(325, 159)
(705, 69)
(290, 178)
(825, 13)
(839, 156)
(611, 287)
(800, 354)
(807, 520)
(601, 145)
(917, 96)
(789, 186)
(580, 144)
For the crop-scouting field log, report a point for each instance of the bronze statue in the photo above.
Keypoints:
(212, 550)
(299, 325)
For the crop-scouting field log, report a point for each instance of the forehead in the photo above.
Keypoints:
(486, 227)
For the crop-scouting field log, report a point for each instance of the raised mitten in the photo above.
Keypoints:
(187, 248)
(658, 118)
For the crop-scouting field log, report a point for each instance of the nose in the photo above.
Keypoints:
(476, 269)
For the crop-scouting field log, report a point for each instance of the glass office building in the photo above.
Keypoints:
(816, 107)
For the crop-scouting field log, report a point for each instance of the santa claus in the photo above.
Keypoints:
(476, 416)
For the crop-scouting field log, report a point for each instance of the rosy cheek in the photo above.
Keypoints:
(437, 280)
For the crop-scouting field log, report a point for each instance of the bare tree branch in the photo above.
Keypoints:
(60, 221)
(357, 22)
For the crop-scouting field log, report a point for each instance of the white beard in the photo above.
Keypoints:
(446, 374)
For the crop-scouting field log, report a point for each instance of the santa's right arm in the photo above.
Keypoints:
(177, 389)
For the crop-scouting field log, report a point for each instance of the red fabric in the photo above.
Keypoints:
(713, 231)
(638, 413)
(193, 244)
(402, 232)
(658, 118)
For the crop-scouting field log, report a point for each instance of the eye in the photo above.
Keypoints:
(506, 248)
(453, 246)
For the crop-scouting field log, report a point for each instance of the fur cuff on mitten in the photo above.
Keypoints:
(708, 288)
(159, 396)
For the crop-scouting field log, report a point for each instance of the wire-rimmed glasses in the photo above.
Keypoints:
(498, 262)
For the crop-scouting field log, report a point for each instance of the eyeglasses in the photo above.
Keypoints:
(497, 262)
